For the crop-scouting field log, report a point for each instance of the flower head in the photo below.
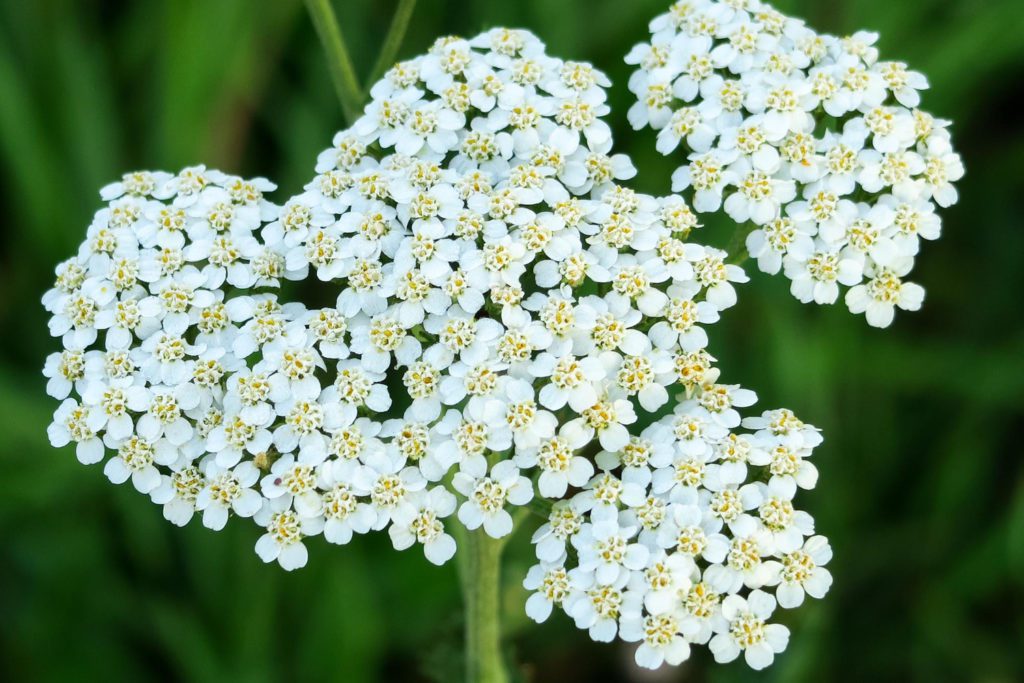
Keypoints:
(807, 139)
(509, 323)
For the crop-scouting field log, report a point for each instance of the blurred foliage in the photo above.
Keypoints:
(922, 488)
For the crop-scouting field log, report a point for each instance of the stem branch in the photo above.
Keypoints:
(346, 84)
(392, 41)
(737, 252)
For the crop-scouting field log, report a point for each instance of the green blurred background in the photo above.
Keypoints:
(921, 490)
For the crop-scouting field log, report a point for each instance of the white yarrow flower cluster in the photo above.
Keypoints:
(680, 537)
(808, 138)
(152, 342)
(510, 324)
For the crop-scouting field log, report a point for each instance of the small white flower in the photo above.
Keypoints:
(606, 550)
(558, 464)
(596, 607)
(488, 494)
(390, 484)
(818, 276)
(178, 492)
(228, 490)
(802, 572)
(71, 424)
(662, 638)
(563, 523)
(295, 483)
(421, 523)
(345, 508)
(136, 459)
(742, 627)
(551, 585)
(283, 540)
(883, 293)
(607, 419)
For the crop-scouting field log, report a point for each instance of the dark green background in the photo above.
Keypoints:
(921, 485)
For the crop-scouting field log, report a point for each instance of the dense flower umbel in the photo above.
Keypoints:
(510, 323)
(808, 138)
(681, 523)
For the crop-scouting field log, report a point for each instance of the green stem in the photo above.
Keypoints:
(346, 84)
(480, 570)
(736, 252)
(393, 41)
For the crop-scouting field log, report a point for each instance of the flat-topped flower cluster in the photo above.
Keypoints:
(808, 138)
(511, 327)
(683, 531)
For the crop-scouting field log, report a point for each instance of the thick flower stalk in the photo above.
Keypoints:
(808, 139)
(511, 328)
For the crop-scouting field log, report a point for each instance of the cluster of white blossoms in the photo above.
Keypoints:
(807, 138)
(678, 538)
(510, 325)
